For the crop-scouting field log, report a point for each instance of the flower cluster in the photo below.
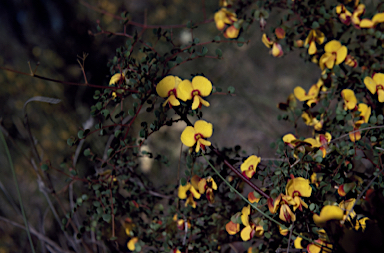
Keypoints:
(173, 88)
(227, 20)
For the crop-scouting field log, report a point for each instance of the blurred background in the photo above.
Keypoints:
(54, 34)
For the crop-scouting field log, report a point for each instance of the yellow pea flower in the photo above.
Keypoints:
(207, 186)
(250, 231)
(367, 23)
(166, 88)
(195, 135)
(254, 198)
(198, 88)
(248, 167)
(298, 186)
(344, 15)
(365, 113)
(276, 50)
(315, 248)
(346, 206)
(286, 213)
(328, 213)
(222, 17)
(231, 32)
(116, 78)
(335, 53)
(188, 192)
(350, 100)
(309, 120)
(232, 228)
(310, 97)
(131, 244)
(314, 36)
(283, 231)
(376, 84)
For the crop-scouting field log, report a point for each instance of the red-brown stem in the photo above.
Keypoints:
(238, 173)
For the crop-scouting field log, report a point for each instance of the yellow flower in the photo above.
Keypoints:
(297, 243)
(286, 214)
(315, 36)
(116, 79)
(335, 53)
(350, 100)
(245, 212)
(309, 120)
(328, 213)
(250, 231)
(248, 167)
(231, 32)
(311, 96)
(351, 61)
(254, 197)
(131, 244)
(347, 206)
(298, 186)
(196, 134)
(360, 9)
(273, 205)
(367, 23)
(232, 228)
(376, 84)
(222, 17)
(183, 194)
(315, 248)
(207, 185)
(128, 225)
(365, 113)
(198, 88)
(283, 231)
(321, 142)
(344, 14)
(361, 223)
(276, 51)
(280, 33)
(166, 88)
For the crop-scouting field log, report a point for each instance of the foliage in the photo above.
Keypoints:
(321, 192)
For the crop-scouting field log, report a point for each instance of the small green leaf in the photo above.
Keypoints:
(231, 89)
(312, 206)
(241, 40)
(217, 38)
(204, 51)
(107, 217)
(183, 181)
(219, 53)
(44, 167)
(87, 152)
(80, 134)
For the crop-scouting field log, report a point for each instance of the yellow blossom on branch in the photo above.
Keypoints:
(115, 79)
(231, 32)
(188, 192)
(131, 245)
(328, 213)
(376, 84)
(350, 100)
(276, 51)
(344, 15)
(335, 53)
(196, 134)
(223, 17)
(315, 36)
(368, 23)
(207, 186)
(365, 113)
(248, 167)
(195, 90)
(166, 88)
(232, 228)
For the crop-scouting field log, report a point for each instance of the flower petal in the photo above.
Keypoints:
(378, 18)
(182, 193)
(349, 98)
(167, 84)
(379, 79)
(232, 228)
(341, 54)
(204, 128)
(298, 186)
(131, 243)
(332, 46)
(173, 100)
(246, 233)
(328, 213)
(203, 102)
(203, 85)
(380, 94)
(115, 78)
(196, 102)
(370, 84)
(188, 136)
(366, 23)
(184, 90)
